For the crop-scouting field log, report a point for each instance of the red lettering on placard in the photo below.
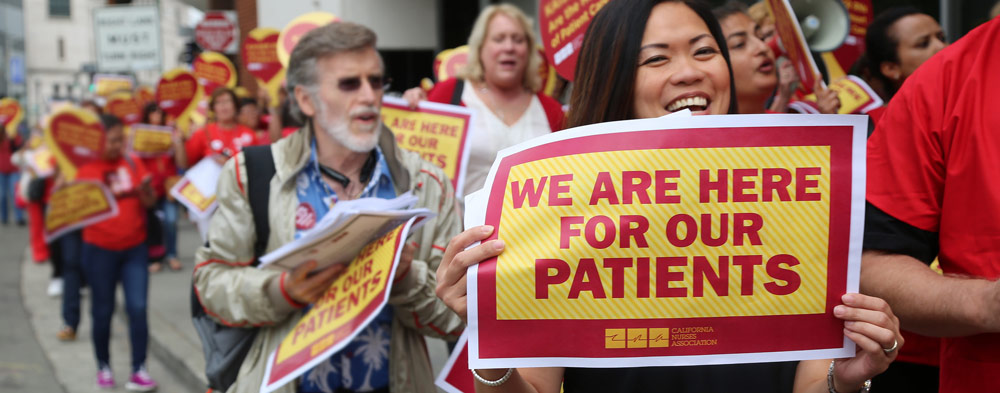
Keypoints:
(747, 263)
(775, 269)
(529, 192)
(718, 280)
(663, 185)
(543, 279)
(664, 277)
(587, 279)
(803, 184)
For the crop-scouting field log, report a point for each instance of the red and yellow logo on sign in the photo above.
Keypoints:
(297, 28)
(562, 24)
(697, 232)
(125, 107)
(106, 84)
(151, 141)
(438, 138)
(346, 303)
(178, 93)
(11, 115)
(76, 204)
(195, 197)
(75, 137)
(214, 70)
(449, 62)
(260, 55)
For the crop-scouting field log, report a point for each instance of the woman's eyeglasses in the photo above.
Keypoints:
(377, 82)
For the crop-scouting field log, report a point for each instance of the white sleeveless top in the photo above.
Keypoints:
(489, 135)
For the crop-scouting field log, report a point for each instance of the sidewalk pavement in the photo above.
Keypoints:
(74, 363)
(175, 351)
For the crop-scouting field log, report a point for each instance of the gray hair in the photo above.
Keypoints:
(322, 41)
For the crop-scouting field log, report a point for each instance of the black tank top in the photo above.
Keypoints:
(736, 378)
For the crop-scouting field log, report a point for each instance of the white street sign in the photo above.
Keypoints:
(128, 38)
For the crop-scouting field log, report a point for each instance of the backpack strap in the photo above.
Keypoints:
(259, 162)
(260, 168)
(456, 95)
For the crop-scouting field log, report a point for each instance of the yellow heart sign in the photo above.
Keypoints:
(75, 137)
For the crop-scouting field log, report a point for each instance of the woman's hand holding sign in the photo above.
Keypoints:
(456, 261)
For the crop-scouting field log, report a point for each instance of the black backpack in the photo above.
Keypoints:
(226, 347)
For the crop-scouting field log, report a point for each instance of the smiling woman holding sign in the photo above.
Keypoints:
(670, 56)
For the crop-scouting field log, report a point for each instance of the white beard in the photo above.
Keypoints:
(339, 130)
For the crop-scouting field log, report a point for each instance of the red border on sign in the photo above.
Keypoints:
(534, 338)
(461, 143)
(289, 365)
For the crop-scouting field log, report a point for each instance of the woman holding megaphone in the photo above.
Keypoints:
(757, 75)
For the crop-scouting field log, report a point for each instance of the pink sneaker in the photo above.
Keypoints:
(105, 380)
(141, 381)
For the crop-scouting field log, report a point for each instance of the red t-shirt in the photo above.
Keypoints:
(933, 163)
(7, 147)
(128, 228)
(213, 139)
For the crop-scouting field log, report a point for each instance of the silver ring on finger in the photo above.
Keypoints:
(893, 348)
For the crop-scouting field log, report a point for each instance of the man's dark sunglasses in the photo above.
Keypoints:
(377, 82)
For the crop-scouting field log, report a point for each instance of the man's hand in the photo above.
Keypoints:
(305, 287)
(405, 259)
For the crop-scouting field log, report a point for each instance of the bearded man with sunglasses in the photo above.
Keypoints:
(344, 152)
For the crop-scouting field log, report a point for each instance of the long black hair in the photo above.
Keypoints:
(881, 47)
(606, 67)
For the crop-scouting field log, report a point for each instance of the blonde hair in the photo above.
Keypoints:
(760, 14)
(473, 70)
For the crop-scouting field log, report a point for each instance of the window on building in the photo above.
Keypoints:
(61, 48)
(59, 7)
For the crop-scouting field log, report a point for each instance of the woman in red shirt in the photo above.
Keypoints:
(222, 138)
(115, 249)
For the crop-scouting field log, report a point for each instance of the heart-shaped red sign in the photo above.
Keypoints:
(297, 28)
(125, 107)
(260, 53)
(75, 137)
(8, 110)
(214, 70)
(11, 115)
(177, 91)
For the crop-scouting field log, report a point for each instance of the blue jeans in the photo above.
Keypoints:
(72, 272)
(169, 220)
(7, 183)
(104, 268)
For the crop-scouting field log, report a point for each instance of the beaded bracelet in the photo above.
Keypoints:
(496, 383)
(866, 388)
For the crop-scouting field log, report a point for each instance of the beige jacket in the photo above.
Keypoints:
(236, 294)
